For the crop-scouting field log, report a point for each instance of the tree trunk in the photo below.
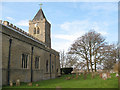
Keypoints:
(91, 58)
(88, 66)
(95, 61)
(95, 66)
(91, 65)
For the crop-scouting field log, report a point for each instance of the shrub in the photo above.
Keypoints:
(66, 70)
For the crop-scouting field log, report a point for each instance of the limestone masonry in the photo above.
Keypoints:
(28, 57)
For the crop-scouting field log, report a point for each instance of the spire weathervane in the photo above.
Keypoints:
(40, 5)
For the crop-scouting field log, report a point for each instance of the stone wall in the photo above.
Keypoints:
(47, 33)
(41, 25)
(22, 42)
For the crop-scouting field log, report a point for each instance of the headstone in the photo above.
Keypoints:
(17, 82)
(37, 85)
(100, 75)
(117, 74)
(68, 78)
(111, 71)
(30, 84)
(11, 83)
(108, 75)
(104, 76)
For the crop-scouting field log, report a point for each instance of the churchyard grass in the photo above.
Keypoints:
(79, 82)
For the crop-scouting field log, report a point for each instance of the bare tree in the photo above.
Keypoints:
(80, 65)
(62, 58)
(71, 60)
(90, 48)
(67, 60)
(110, 57)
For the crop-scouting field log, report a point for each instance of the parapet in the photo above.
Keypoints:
(6, 23)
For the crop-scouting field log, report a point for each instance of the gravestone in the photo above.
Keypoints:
(68, 78)
(30, 84)
(100, 75)
(17, 82)
(104, 76)
(117, 74)
(37, 85)
(108, 75)
(11, 83)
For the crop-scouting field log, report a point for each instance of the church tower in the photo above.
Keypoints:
(39, 27)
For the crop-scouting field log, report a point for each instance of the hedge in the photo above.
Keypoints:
(66, 70)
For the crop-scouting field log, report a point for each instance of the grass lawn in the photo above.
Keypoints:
(97, 82)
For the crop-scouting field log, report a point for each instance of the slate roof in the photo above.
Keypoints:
(39, 15)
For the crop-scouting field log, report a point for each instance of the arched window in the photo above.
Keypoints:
(24, 60)
(47, 66)
(37, 66)
(52, 66)
(34, 30)
(38, 30)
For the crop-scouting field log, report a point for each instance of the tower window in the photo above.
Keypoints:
(38, 31)
(34, 30)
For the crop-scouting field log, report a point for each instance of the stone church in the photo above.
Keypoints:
(28, 56)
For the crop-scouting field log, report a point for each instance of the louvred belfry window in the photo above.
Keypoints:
(34, 30)
(38, 30)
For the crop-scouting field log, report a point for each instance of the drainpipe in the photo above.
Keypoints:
(31, 64)
(55, 67)
(9, 57)
(50, 65)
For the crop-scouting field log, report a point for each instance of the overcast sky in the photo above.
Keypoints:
(69, 20)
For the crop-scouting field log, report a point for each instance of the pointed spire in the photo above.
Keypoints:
(39, 15)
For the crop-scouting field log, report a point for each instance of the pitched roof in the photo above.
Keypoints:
(39, 15)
